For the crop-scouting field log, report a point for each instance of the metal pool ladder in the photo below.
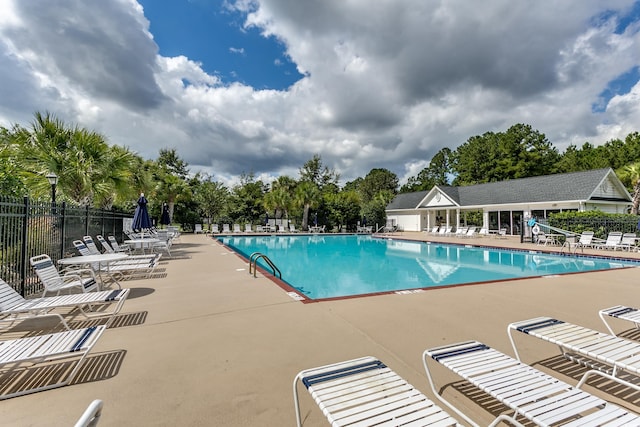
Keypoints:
(253, 261)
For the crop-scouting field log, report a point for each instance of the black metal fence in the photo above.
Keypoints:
(29, 228)
(601, 226)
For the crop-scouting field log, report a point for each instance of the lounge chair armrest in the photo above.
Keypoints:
(77, 274)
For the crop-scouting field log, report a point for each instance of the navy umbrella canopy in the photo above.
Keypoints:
(141, 220)
(164, 218)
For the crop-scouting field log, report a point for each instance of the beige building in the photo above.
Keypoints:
(507, 204)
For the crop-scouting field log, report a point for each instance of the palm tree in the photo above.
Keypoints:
(630, 175)
(88, 169)
(43, 149)
(270, 202)
(114, 180)
(307, 196)
(279, 201)
(83, 173)
(171, 174)
(172, 187)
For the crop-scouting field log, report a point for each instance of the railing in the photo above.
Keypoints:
(253, 261)
(31, 227)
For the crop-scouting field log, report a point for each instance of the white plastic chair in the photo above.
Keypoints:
(82, 280)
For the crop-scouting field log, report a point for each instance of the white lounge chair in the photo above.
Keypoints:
(118, 247)
(91, 415)
(225, 228)
(530, 393)
(627, 242)
(197, 228)
(622, 312)
(113, 247)
(105, 245)
(443, 231)
(82, 280)
(543, 238)
(93, 248)
(132, 261)
(132, 265)
(292, 228)
(247, 228)
(613, 240)
(366, 392)
(615, 356)
(14, 307)
(585, 241)
(174, 233)
(471, 232)
(164, 242)
(236, 228)
(72, 346)
(461, 231)
(214, 229)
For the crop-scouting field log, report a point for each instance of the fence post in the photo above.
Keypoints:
(86, 221)
(63, 231)
(103, 212)
(522, 224)
(23, 248)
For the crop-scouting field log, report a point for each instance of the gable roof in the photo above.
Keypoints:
(573, 186)
(407, 200)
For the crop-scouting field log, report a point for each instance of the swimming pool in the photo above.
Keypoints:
(321, 267)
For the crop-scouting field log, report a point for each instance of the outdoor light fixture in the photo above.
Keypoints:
(53, 180)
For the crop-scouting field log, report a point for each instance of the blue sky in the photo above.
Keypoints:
(212, 34)
(621, 85)
(261, 86)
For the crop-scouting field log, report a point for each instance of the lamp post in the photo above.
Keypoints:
(53, 180)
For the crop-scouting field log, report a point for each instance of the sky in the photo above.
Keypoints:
(259, 87)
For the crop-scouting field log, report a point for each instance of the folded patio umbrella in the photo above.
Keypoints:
(141, 220)
(164, 218)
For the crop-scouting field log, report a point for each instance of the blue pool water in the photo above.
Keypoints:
(338, 266)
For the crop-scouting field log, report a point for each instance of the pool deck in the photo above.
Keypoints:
(207, 344)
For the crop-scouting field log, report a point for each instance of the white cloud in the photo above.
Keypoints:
(387, 84)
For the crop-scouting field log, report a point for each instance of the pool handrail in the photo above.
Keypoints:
(253, 260)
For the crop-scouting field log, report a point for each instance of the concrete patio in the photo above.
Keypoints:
(206, 344)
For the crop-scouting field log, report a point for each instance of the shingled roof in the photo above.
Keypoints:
(572, 186)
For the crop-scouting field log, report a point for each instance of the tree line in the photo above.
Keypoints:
(93, 173)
